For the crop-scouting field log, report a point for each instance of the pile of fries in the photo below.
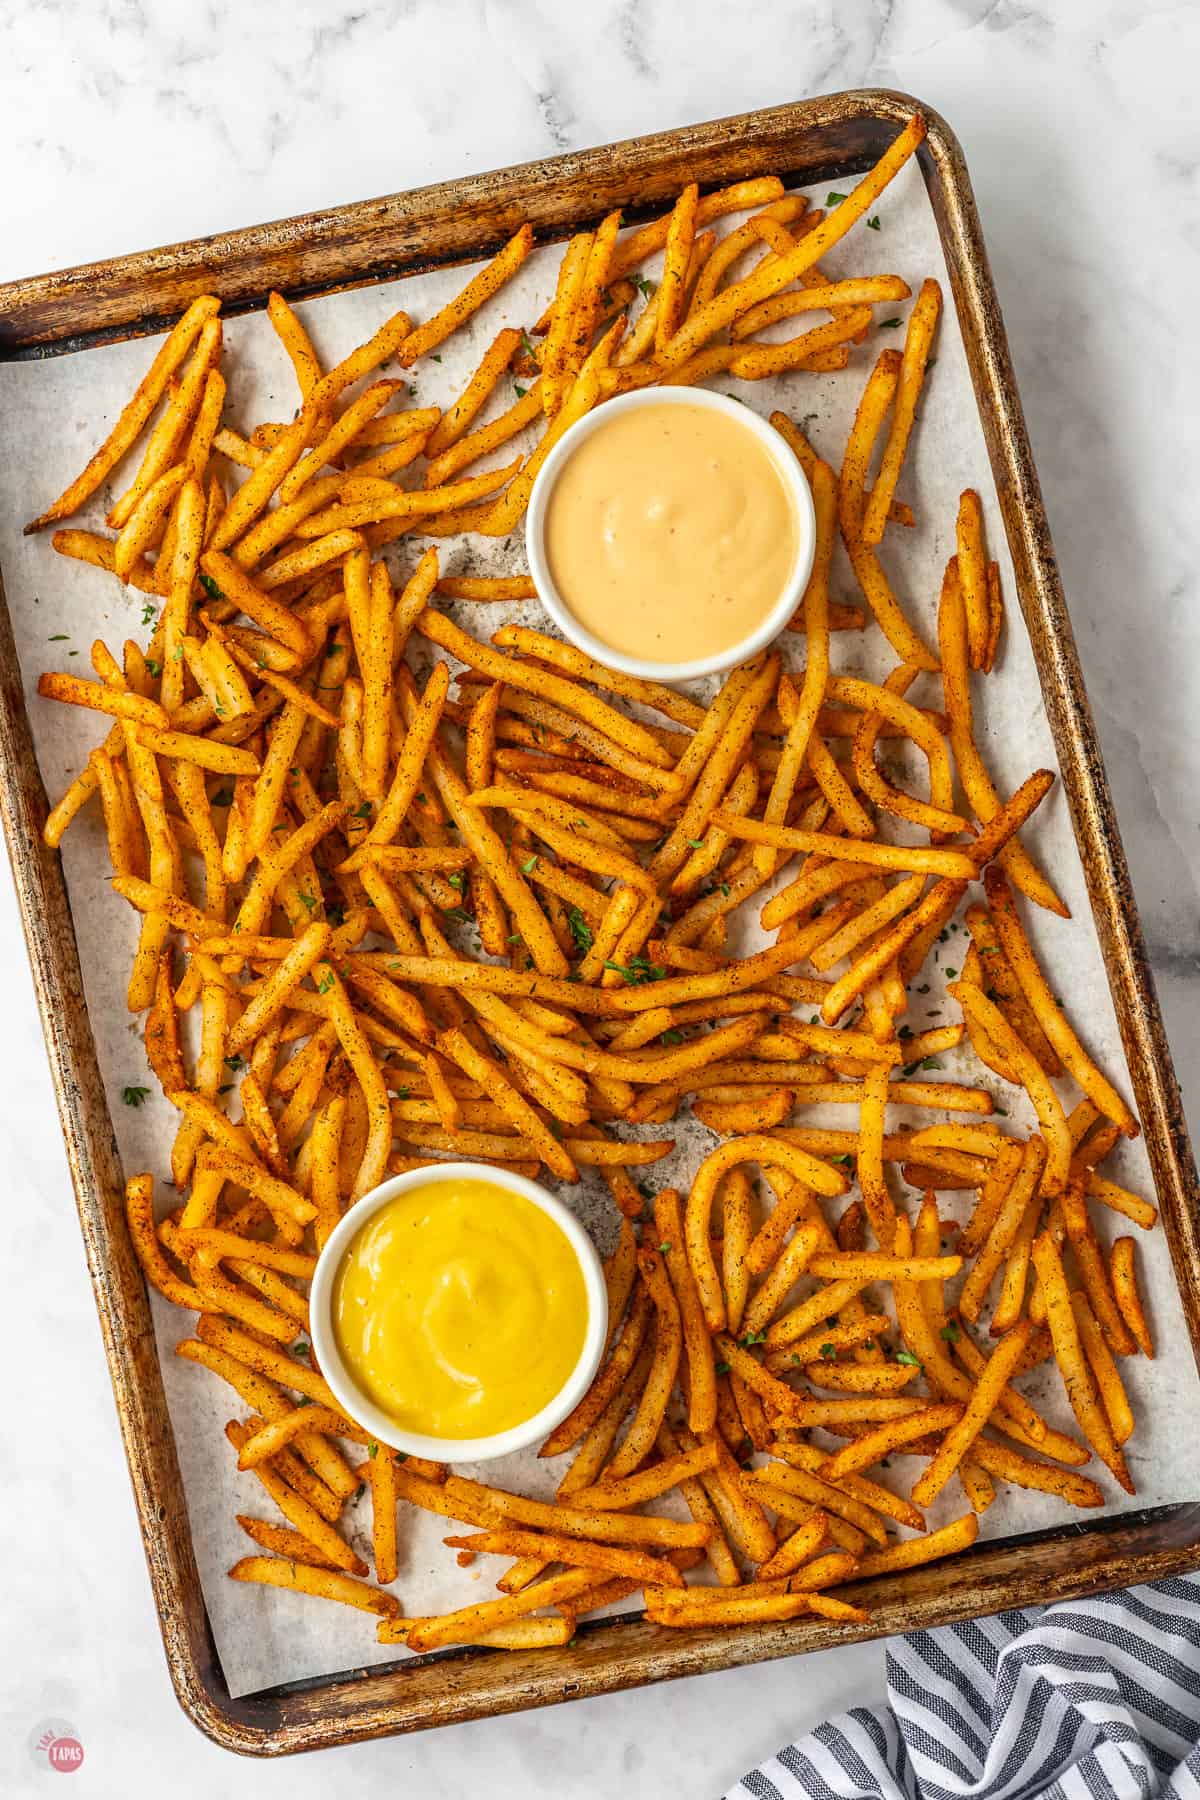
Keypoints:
(494, 926)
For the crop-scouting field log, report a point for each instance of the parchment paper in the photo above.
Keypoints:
(53, 413)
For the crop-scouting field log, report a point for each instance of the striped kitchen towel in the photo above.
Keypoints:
(1087, 1700)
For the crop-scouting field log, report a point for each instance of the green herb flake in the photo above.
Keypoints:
(828, 1352)
(754, 1337)
(300, 1348)
(638, 970)
(154, 666)
(696, 843)
(664, 1249)
(721, 1368)
(235, 1063)
(223, 797)
(951, 1332)
(889, 324)
(210, 587)
(873, 222)
(133, 1096)
(833, 198)
(325, 985)
(908, 1359)
(527, 868)
(669, 1038)
(580, 930)
(645, 287)
(372, 1450)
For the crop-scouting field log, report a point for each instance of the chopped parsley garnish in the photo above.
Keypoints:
(154, 666)
(669, 1038)
(519, 391)
(645, 287)
(325, 985)
(663, 1249)
(580, 930)
(235, 1063)
(721, 1368)
(133, 1096)
(527, 868)
(951, 1332)
(833, 198)
(873, 222)
(908, 1359)
(754, 1337)
(828, 1351)
(638, 970)
(889, 324)
(696, 843)
(210, 587)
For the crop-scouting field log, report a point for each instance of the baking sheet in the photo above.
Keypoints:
(51, 416)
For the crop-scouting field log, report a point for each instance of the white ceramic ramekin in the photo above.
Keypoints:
(350, 1397)
(794, 480)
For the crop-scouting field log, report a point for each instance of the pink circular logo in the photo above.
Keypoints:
(54, 1745)
(65, 1754)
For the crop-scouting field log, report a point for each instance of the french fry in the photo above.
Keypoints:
(959, 1535)
(275, 1571)
(135, 413)
(1046, 1009)
(1046, 1104)
(977, 784)
(1107, 1377)
(1073, 1366)
(1122, 1272)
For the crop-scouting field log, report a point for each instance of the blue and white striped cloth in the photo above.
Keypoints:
(1090, 1700)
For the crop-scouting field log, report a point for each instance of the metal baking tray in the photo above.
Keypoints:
(402, 234)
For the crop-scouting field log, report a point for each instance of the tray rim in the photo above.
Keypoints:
(35, 316)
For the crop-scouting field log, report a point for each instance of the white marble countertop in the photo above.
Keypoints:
(128, 123)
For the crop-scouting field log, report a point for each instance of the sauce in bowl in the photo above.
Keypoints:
(459, 1309)
(670, 534)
